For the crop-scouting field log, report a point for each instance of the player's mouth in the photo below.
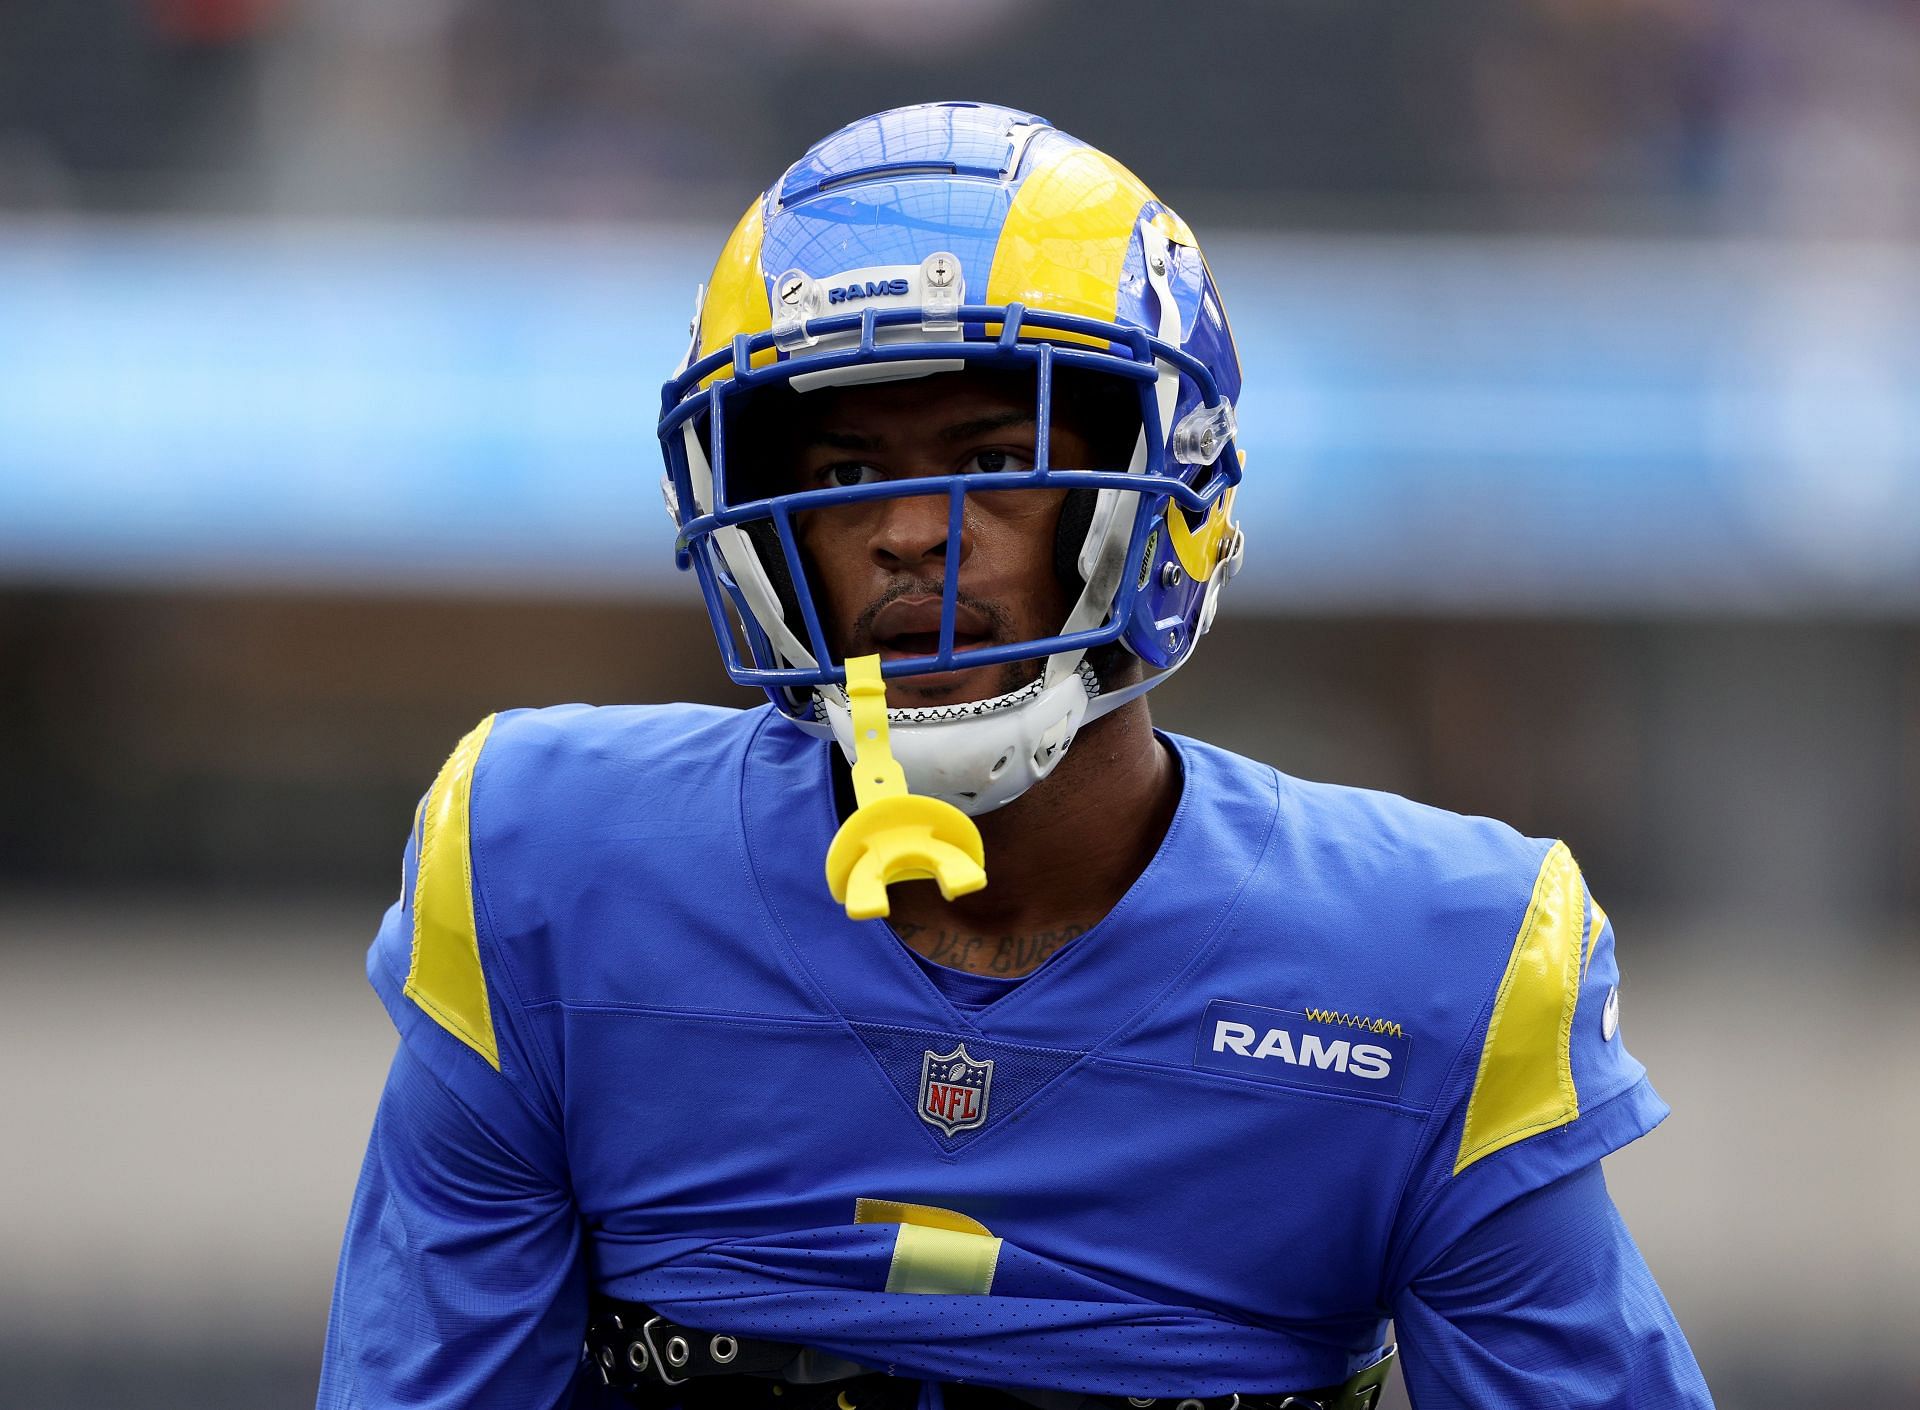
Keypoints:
(910, 627)
(925, 644)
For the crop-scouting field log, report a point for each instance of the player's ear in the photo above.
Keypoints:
(1103, 413)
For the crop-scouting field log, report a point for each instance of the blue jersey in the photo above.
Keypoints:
(1327, 1040)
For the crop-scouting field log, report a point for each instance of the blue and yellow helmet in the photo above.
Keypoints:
(964, 235)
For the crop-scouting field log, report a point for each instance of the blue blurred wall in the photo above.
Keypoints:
(1433, 425)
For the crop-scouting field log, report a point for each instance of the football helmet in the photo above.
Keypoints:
(935, 238)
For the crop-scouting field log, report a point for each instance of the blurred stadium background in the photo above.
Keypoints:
(1584, 441)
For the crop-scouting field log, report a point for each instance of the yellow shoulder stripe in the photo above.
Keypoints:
(937, 1250)
(1525, 1082)
(445, 978)
(1593, 934)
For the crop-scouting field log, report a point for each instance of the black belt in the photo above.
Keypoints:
(656, 1363)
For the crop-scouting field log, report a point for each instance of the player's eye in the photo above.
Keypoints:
(995, 462)
(846, 474)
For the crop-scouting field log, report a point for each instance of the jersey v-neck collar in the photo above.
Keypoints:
(965, 990)
(1086, 990)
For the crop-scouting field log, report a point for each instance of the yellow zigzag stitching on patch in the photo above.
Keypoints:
(1354, 1020)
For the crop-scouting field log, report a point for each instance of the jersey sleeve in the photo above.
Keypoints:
(461, 1279)
(1546, 1302)
(1544, 1085)
(437, 964)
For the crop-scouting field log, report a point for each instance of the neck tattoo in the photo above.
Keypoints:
(1001, 956)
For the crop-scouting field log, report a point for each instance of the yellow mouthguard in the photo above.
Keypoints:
(894, 835)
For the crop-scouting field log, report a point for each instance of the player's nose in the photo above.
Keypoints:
(914, 531)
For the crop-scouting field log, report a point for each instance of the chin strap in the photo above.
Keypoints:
(894, 835)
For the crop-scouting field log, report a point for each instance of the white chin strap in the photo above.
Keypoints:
(983, 754)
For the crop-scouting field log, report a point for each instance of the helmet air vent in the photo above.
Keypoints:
(886, 171)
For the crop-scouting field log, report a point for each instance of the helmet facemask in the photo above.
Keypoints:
(978, 754)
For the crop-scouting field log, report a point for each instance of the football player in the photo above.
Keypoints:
(941, 1033)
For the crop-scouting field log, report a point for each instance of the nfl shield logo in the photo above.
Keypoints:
(953, 1090)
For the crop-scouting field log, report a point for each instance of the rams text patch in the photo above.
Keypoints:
(1281, 1045)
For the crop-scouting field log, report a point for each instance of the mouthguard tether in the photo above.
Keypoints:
(894, 835)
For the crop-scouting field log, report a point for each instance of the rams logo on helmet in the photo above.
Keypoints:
(871, 289)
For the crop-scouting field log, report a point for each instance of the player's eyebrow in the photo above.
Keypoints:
(842, 440)
(958, 431)
(985, 425)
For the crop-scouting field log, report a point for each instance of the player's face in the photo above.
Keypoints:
(880, 565)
